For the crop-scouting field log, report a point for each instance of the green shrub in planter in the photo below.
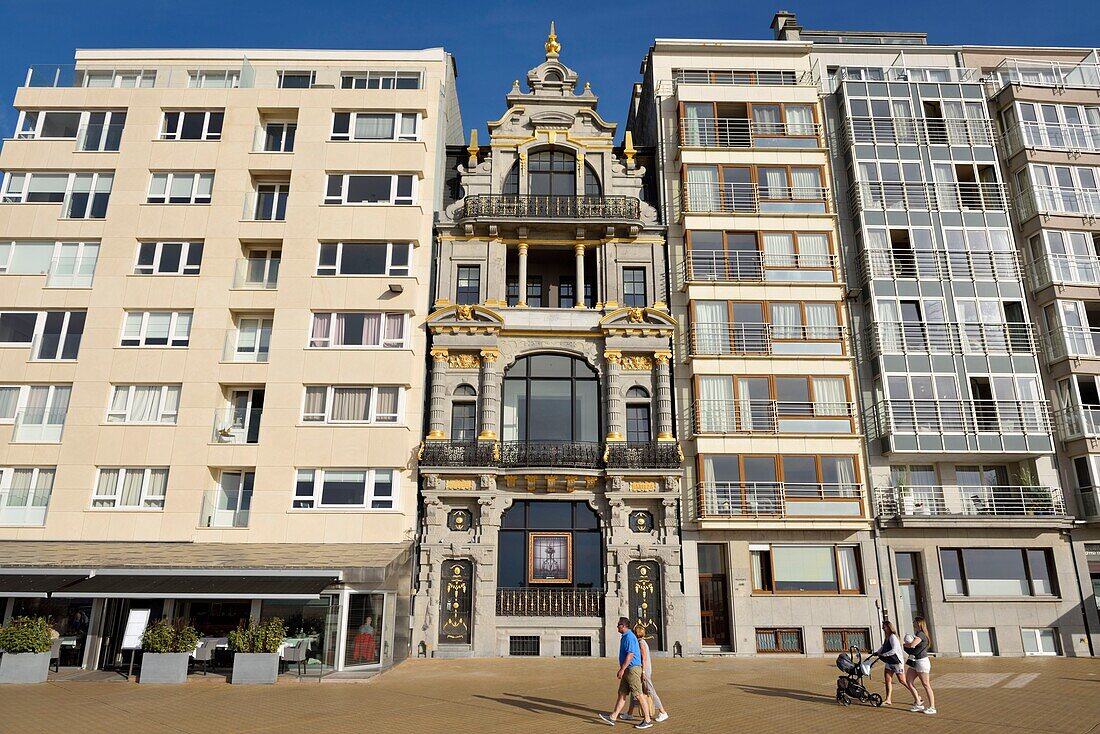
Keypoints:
(263, 636)
(26, 634)
(163, 636)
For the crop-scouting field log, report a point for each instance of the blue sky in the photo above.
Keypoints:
(496, 41)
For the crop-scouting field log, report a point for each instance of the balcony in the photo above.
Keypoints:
(99, 138)
(736, 132)
(1075, 342)
(548, 602)
(236, 427)
(753, 78)
(936, 417)
(749, 500)
(1081, 421)
(72, 272)
(266, 205)
(714, 340)
(751, 198)
(247, 346)
(39, 425)
(1057, 201)
(28, 509)
(772, 416)
(705, 266)
(550, 454)
(492, 207)
(918, 131)
(1036, 73)
(941, 74)
(256, 273)
(459, 453)
(651, 455)
(973, 501)
(939, 264)
(895, 337)
(1049, 270)
(1052, 136)
(922, 196)
(225, 510)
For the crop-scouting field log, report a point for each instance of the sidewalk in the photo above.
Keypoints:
(761, 695)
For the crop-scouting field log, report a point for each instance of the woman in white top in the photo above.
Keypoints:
(647, 679)
(892, 657)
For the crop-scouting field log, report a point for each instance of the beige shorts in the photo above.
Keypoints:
(631, 682)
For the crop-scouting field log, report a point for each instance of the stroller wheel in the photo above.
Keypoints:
(844, 699)
(875, 699)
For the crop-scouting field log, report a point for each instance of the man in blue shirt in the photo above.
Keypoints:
(630, 676)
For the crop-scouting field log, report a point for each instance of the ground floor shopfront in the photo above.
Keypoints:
(351, 617)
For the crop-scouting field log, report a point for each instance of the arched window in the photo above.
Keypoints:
(464, 414)
(551, 397)
(553, 75)
(511, 181)
(552, 173)
(591, 181)
(638, 415)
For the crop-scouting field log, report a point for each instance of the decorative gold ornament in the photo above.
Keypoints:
(553, 48)
(489, 355)
(460, 484)
(628, 147)
(439, 354)
(463, 361)
(636, 315)
(643, 486)
(613, 356)
(637, 363)
(662, 357)
(473, 149)
(464, 313)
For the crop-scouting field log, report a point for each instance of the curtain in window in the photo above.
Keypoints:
(830, 397)
(9, 399)
(716, 404)
(314, 409)
(107, 487)
(779, 250)
(372, 329)
(696, 121)
(20, 488)
(183, 325)
(42, 488)
(841, 471)
(712, 333)
(59, 406)
(773, 183)
(786, 321)
(766, 120)
(157, 327)
(374, 127)
(395, 326)
(143, 409)
(745, 410)
(321, 322)
(813, 250)
(385, 409)
(351, 404)
(36, 405)
(800, 120)
(171, 404)
(904, 126)
(807, 183)
(131, 487)
(848, 570)
(821, 321)
(158, 485)
(702, 189)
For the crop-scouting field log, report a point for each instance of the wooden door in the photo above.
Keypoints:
(713, 595)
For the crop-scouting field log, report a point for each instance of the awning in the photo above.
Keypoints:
(181, 586)
(35, 585)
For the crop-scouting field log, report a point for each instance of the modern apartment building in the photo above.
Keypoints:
(551, 470)
(776, 520)
(214, 271)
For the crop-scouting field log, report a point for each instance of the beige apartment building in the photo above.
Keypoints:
(214, 272)
(777, 541)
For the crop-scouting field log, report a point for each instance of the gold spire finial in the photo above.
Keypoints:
(553, 48)
(473, 149)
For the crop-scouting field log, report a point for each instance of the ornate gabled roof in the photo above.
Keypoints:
(552, 80)
(636, 321)
(470, 319)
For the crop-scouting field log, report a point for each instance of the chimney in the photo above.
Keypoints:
(786, 26)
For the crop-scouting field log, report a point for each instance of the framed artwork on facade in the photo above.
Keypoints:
(550, 558)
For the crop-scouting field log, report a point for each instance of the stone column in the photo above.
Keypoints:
(664, 395)
(521, 299)
(616, 422)
(490, 394)
(578, 250)
(438, 419)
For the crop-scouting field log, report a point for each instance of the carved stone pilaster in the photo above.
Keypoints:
(664, 395)
(437, 420)
(616, 419)
(490, 393)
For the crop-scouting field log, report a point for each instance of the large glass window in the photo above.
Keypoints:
(543, 519)
(364, 640)
(552, 173)
(373, 489)
(998, 572)
(375, 126)
(551, 397)
(373, 188)
(352, 404)
(468, 287)
(358, 329)
(144, 404)
(169, 258)
(131, 488)
(634, 290)
(364, 258)
(197, 125)
(797, 569)
(180, 188)
(156, 329)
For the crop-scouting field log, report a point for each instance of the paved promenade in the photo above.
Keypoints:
(761, 696)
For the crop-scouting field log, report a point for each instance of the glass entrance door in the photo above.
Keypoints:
(364, 638)
(910, 589)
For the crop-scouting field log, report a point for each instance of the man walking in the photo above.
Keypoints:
(630, 676)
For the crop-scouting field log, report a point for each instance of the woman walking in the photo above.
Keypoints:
(919, 665)
(891, 655)
(647, 679)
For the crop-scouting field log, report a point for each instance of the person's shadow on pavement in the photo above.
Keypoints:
(545, 706)
(785, 693)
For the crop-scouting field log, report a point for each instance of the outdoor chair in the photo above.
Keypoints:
(297, 654)
(204, 654)
(55, 655)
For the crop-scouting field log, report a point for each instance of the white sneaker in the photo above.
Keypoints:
(930, 711)
(663, 716)
(917, 707)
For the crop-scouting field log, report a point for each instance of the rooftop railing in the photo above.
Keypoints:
(714, 266)
(1057, 200)
(136, 76)
(1051, 136)
(746, 339)
(935, 417)
(1037, 73)
(940, 264)
(772, 416)
(919, 195)
(918, 131)
(530, 206)
(927, 74)
(737, 132)
(751, 198)
(750, 500)
(897, 337)
(755, 77)
(969, 501)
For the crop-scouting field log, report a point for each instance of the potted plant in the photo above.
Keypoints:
(256, 651)
(26, 645)
(1036, 500)
(166, 650)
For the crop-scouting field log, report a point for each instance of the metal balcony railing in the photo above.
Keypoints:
(231, 426)
(1052, 136)
(1049, 269)
(1038, 73)
(1081, 421)
(99, 138)
(940, 264)
(749, 339)
(896, 337)
(739, 132)
(459, 453)
(551, 454)
(756, 77)
(918, 131)
(934, 417)
(530, 206)
(649, 455)
(265, 206)
(969, 501)
(550, 602)
(776, 499)
(256, 273)
(1057, 200)
(772, 416)
(919, 195)
(1072, 341)
(39, 425)
(751, 198)
(225, 510)
(72, 272)
(706, 266)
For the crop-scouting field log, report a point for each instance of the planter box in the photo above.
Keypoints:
(27, 667)
(164, 667)
(255, 667)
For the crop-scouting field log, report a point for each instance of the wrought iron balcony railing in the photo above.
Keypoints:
(737, 132)
(549, 602)
(918, 131)
(897, 337)
(778, 499)
(706, 266)
(750, 198)
(969, 501)
(773, 416)
(940, 264)
(920, 195)
(708, 340)
(459, 453)
(934, 417)
(530, 206)
(650, 455)
(551, 454)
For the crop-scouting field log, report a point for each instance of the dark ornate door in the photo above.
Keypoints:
(713, 615)
(455, 625)
(644, 579)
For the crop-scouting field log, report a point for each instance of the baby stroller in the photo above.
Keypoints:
(849, 687)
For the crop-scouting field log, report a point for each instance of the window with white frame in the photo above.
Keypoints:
(213, 79)
(358, 329)
(297, 79)
(1040, 640)
(131, 488)
(84, 195)
(352, 404)
(52, 124)
(977, 642)
(119, 79)
(192, 125)
(392, 126)
(253, 339)
(261, 268)
(150, 404)
(169, 258)
(156, 329)
(25, 494)
(380, 80)
(806, 569)
(180, 188)
(69, 264)
(363, 258)
(18, 328)
(374, 489)
(54, 334)
(39, 404)
(371, 188)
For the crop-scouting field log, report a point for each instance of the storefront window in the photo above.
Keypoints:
(216, 618)
(68, 616)
(314, 620)
(364, 631)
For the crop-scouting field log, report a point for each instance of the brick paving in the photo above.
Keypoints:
(758, 695)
